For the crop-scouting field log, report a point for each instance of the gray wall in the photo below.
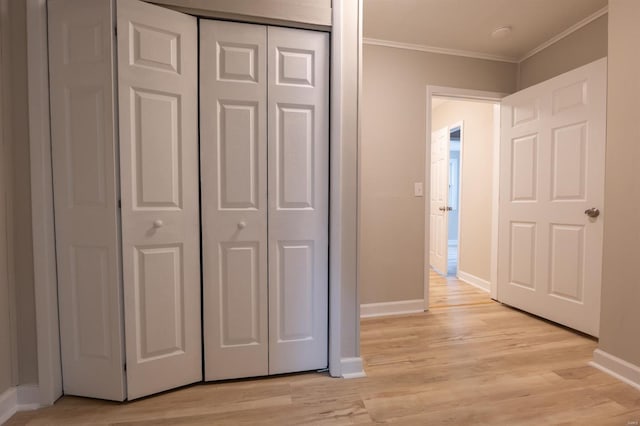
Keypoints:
(586, 45)
(6, 329)
(19, 237)
(392, 158)
(620, 318)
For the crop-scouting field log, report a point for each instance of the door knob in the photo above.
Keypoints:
(158, 223)
(592, 212)
(242, 225)
(442, 209)
(449, 208)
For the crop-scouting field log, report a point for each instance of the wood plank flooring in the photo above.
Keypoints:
(468, 361)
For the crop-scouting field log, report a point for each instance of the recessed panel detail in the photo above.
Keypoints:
(567, 262)
(569, 97)
(90, 298)
(295, 157)
(154, 48)
(239, 294)
(525, 113)
(295, 67)
(569, 162)
(237, 62)
(159, 295)
(85, 145)
(238, 155)
(522, 247)
(524, 168)
(83, 43)
(295, 290)
(157, 150)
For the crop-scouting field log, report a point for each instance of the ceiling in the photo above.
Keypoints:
(466, 25)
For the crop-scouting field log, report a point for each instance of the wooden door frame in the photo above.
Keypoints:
(344, 309)
(463, 94)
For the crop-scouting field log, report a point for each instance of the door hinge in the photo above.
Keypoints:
(119, 204)
(115, 31)
(125, 366)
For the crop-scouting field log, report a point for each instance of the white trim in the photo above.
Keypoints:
(352, 368)
(21, 398)
(477, 282)
(572, 29)
(438, 50)
(8, 404)
(495, 205)
(616, 367)
(452, 93)
(44, 262)
(370, 310)
(335, 218)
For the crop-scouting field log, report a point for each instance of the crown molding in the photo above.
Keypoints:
(572, 29)
(440, 50)
(487, 56)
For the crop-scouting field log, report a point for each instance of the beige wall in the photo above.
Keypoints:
(476, 181)
(392, 158)
(6, 330)
(620, 317)
(586, 45)
(20, 253)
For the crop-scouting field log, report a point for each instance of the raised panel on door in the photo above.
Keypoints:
(84, 150)
(552, 170)
(158, 106)
(233, 157)
(298, 167)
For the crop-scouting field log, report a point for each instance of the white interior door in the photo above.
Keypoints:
(298, 186)
(158, 102)
(438, 215)
(551, 174)
(84, 154)
(233, 146)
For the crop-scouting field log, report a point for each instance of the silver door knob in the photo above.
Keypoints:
(158, 223)
(442, 209)
(242, 225)
(592, 212)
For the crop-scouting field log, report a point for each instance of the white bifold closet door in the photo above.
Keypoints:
(157, 93)
(126, 132)
(264, 160)
(85, 180)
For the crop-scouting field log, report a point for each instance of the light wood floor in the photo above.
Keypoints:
(468, 361)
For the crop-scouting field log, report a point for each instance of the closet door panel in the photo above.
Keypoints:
(158, 101)
(298, 199)
(233, 156)
(81, 46)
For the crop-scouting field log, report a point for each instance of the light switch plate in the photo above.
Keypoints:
(418, 189)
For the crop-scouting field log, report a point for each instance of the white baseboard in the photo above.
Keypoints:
(483, 285)
(370, 310)
(352, 368)
(616, 367)
(21, 398)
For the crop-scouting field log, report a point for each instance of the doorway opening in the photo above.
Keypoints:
(453, 238)
(462, 169)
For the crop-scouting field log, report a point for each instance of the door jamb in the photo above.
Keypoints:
(461, 94)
